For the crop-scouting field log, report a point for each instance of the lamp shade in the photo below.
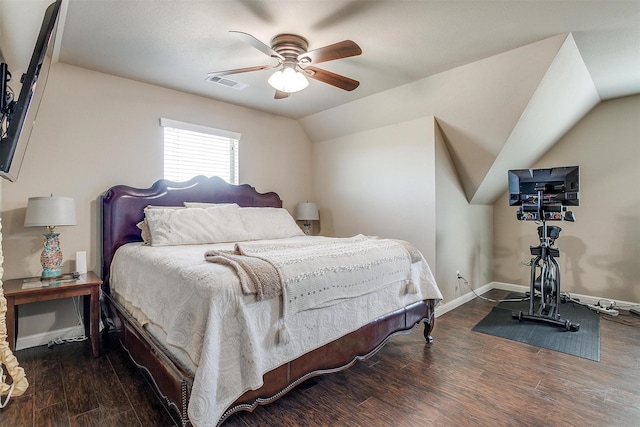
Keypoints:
(50, 211)
(307, 211)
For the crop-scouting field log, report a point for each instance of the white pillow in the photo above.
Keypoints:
(195, 226)
(207, 205)
(269, 223)
(145, 234)
(163, 207)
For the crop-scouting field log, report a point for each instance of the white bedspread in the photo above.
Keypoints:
(230, 338)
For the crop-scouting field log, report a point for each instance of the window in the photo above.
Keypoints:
(191, 150)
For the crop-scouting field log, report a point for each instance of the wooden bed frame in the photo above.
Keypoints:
(122, 208)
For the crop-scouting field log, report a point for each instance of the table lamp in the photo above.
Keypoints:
(307, 212)
(50, 212)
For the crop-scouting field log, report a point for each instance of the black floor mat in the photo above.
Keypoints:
(583, 343)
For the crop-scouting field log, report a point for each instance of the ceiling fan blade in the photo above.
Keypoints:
(343, 49)
(280, 94)
(239, 70)
(333, 79)
(249, 39)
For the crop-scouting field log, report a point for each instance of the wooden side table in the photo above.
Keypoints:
(27, 290)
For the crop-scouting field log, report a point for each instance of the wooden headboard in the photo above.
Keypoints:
(122, 207)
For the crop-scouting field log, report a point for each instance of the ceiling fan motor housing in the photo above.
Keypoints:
(290, 46)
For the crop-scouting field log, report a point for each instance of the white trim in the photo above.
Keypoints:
(455, 303)
(509, 287)
(43, 338)
(199, 128)
(587, 299)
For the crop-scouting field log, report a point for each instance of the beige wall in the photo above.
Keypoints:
(398, 181)
(600, 252)
(464, 232)
(379, 182)
(95, 130)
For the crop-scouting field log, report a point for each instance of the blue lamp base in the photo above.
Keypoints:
(51, 257)
(306, 228)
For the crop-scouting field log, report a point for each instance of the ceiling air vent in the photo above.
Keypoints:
(227, 82)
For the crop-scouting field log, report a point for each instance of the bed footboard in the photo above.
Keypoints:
(336, 356)
(173, 384)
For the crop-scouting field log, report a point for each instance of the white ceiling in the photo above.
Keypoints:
(504, 79)
(175, 44)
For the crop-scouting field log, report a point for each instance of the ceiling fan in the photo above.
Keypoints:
(295, 63)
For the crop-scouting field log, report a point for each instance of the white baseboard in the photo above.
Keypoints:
(587, 299)
(450, 305)
(44, 338)
(509, 287)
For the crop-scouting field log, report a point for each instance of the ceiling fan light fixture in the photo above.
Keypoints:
(288, 80)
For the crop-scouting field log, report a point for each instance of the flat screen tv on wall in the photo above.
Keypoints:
(18, 116)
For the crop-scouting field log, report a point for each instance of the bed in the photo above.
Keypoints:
(191, 351)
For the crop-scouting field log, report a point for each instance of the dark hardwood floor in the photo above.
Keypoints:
(463, 378)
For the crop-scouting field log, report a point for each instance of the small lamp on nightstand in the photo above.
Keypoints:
(50, 212)
(307, 212)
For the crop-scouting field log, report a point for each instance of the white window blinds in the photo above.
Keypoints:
(191, 150)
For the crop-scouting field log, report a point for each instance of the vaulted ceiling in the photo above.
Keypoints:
(504, 79)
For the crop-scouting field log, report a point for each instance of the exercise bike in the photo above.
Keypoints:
(544, 289)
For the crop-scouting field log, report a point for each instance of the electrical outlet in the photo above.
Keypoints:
(458, 276)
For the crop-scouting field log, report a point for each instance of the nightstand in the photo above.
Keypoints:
(27, 290)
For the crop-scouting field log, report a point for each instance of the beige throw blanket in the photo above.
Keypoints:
(309, 275)
(256, 275)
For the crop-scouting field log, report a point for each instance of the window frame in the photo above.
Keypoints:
(233, 137)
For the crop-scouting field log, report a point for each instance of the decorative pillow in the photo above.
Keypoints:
(144, 232)
(195, 226)
(207, 205)
(269, 223)
(163, 207)
(144, 227)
